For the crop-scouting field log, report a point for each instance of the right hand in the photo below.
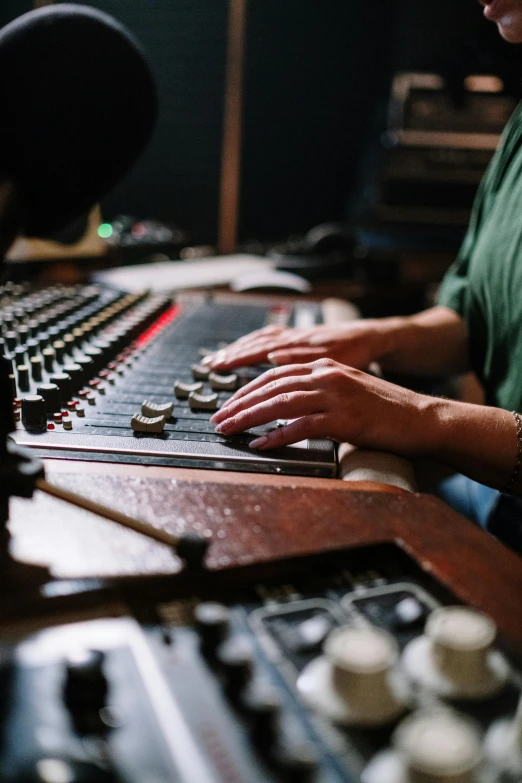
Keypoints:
(355, 343)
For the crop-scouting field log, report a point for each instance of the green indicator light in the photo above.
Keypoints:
(105, 230)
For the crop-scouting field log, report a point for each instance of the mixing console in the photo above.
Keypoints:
(99, 374)
(366, 671)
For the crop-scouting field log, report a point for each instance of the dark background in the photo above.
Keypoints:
(316, 86)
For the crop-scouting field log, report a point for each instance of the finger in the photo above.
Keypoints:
(270, 391)
(294, 355)
(266, 331)
(282, 406)
(252, 355)
(251, 340)
(312, 426)
(262, 380)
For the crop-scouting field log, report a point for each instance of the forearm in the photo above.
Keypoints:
(478, 441)
(433, 342)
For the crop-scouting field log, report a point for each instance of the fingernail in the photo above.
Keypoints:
(225, 425)
(258, 442)
(272, 358)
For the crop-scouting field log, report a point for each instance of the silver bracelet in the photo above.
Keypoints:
(518, 461)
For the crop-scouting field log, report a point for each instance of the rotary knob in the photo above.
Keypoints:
(64, 383)
(212, 623)
(85, 690)
(262, 706)
(34, 417)
(236, 663)
(51, 394)
(356, 681)
(430, 747)
(455, 656)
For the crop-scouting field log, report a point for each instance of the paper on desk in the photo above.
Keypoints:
(166, 276)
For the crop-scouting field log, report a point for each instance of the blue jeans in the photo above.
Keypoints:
(499, 514)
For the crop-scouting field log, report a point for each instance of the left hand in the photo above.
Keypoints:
(331, 400)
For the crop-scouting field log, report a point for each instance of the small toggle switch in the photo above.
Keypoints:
(153, 409)
(223, 382)
(184, 390)
(203, 402)
(145, 424)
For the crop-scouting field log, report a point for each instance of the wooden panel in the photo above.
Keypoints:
(250, 521)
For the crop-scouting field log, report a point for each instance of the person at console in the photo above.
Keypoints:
(320, 384)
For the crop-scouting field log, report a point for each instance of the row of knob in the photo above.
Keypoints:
(232, 657)
(61, 387)
(358, 682)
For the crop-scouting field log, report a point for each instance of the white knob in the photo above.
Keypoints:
(455, 656)
(356, 681)
(461, 640)
(439, 748)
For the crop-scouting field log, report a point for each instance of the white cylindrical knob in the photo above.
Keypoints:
(461, 641)
(439, 747)
(356, 681)
(455, 657)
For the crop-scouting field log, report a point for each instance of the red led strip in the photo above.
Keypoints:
(163, 321)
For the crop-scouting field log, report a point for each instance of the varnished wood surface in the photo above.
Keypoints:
(251, 520)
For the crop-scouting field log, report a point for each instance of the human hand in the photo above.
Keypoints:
(356, 343)
(327, 399)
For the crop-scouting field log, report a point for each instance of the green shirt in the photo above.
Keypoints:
(484, 285)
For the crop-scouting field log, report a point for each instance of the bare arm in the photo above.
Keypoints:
(433, 342)
(328, 399)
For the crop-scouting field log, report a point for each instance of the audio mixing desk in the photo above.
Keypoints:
(117, 377)
(331, 630)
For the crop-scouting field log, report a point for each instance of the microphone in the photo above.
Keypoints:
(77, 107)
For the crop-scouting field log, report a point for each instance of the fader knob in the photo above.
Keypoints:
(455, 658)
(51, 394)
(356, 681)
(212, 623)
(34, 417)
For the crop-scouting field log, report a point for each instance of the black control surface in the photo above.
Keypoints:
(209, 693)
(86, 359)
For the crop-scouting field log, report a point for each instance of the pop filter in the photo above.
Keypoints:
(77, 107)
